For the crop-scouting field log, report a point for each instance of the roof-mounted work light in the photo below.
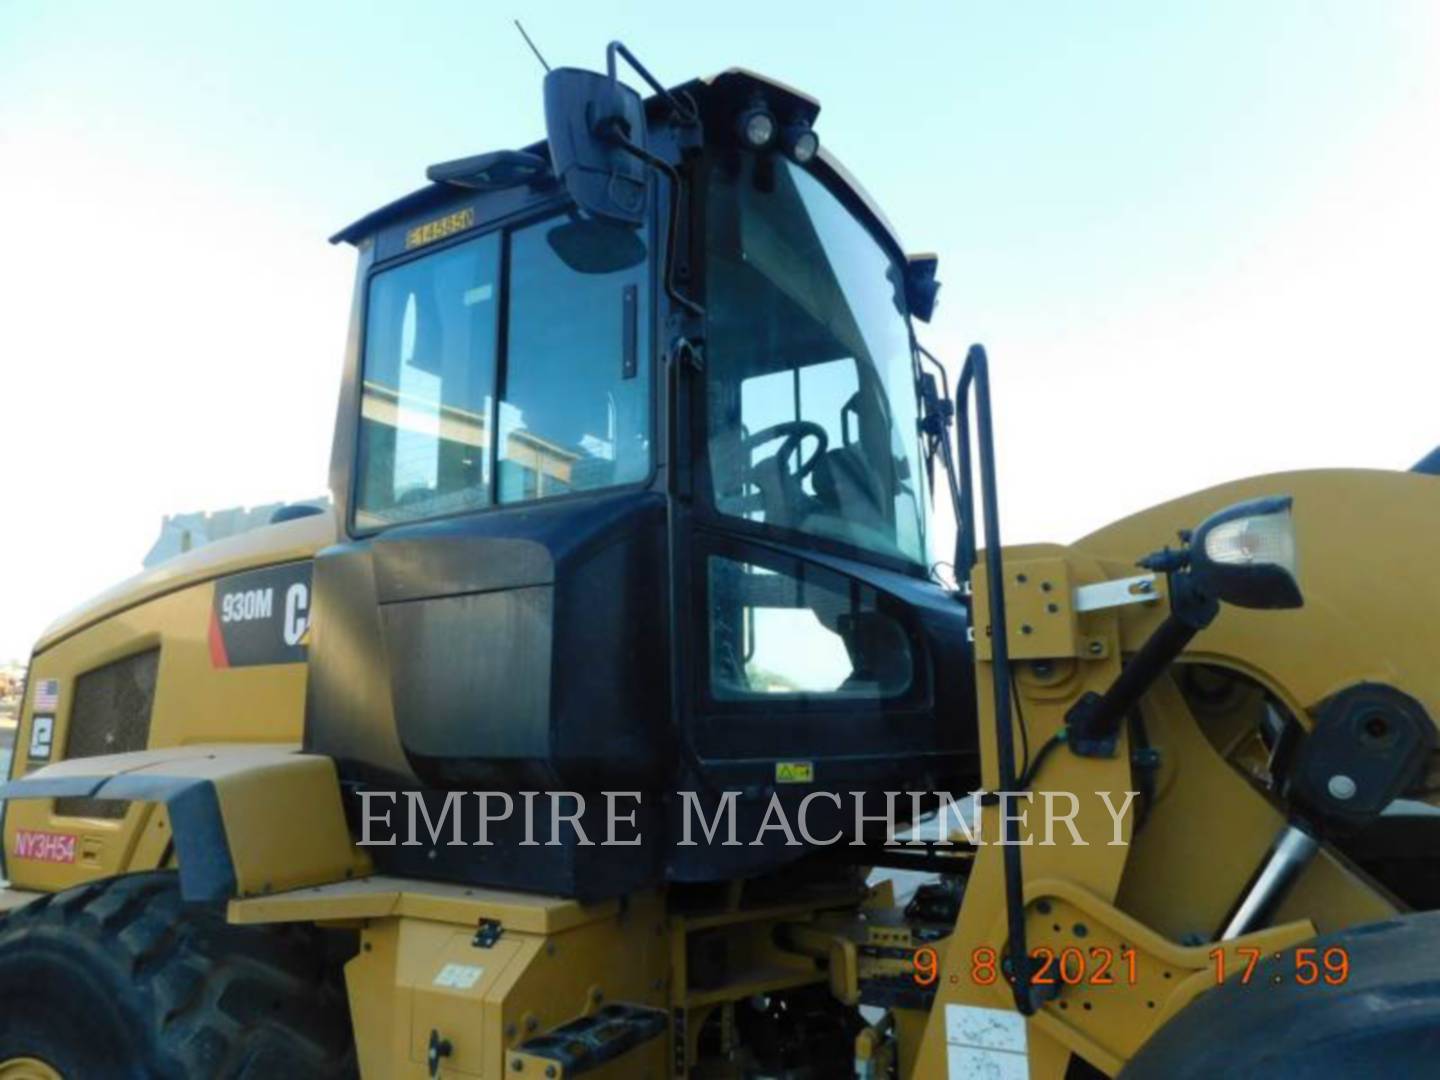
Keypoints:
(801, 142)
(756, 127)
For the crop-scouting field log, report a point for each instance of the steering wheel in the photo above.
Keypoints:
(795, 432)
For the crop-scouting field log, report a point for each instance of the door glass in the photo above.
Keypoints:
(811, 632)
(575, 412)
(425, 402)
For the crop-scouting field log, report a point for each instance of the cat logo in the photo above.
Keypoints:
(794, 772)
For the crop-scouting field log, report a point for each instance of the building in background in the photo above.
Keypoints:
(180, 533)
(12, 685)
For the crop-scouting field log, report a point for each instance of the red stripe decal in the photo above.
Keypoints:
(218, 656)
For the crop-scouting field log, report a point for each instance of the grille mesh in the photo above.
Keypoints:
(110, 715)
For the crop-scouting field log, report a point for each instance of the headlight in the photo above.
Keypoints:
(1245, 554)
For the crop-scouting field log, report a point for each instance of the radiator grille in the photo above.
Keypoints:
(110, 715)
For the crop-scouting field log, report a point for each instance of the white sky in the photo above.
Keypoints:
(1200, 241)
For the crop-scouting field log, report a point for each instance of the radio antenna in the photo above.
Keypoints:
(532, 46)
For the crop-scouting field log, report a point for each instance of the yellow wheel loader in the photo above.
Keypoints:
(622, 721)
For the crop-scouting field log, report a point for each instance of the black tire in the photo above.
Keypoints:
(119, 979)
(1383, 1019)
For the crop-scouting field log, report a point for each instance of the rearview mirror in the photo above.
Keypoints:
(921, 288)
(589, 119)
(596, 247)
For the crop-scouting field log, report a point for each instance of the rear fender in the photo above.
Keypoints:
(248, 820)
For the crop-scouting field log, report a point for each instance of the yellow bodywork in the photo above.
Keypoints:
(423, 976)
(420, 970)
(195, 702)
(1364, 619)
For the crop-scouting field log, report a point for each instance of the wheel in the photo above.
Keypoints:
(119, 979)
(1380, 1018)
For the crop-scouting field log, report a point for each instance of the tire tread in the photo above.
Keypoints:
(211, 999)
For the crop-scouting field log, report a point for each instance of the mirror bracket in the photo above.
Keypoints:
(597, 134)
(687, 112)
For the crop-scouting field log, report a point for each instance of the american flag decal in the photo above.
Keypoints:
(47, 695)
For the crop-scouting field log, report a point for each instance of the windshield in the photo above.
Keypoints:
(809, 371)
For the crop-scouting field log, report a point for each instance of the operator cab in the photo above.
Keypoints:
(633, 489)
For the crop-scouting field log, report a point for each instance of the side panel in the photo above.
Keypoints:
(546, 981)
(217, 680)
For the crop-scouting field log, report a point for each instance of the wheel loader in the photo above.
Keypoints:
(493, 770)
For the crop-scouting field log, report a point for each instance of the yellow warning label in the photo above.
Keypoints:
(794, 772)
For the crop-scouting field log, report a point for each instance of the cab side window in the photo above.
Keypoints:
(430, 346)
(801, 631)
(495, 372)
(575, 409)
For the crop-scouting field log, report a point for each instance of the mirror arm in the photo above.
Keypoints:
(939, 415)
(672, 232)
(686, 112)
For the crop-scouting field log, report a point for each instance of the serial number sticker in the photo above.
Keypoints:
(440, 228)
(458, 976)
(40, 846)
(989, 1043)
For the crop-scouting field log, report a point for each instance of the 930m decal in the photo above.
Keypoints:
(261, 617)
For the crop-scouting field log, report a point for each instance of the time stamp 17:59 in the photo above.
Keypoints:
(1102, 966)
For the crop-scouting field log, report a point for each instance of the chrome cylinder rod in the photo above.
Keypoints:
(1286, 860)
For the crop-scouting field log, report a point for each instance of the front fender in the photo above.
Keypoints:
(1366, 543)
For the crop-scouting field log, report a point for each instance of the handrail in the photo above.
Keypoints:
(976, 374)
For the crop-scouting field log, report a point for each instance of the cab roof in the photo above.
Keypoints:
(724, 93)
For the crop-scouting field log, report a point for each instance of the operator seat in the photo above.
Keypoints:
(781, 496)
(849, 490)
